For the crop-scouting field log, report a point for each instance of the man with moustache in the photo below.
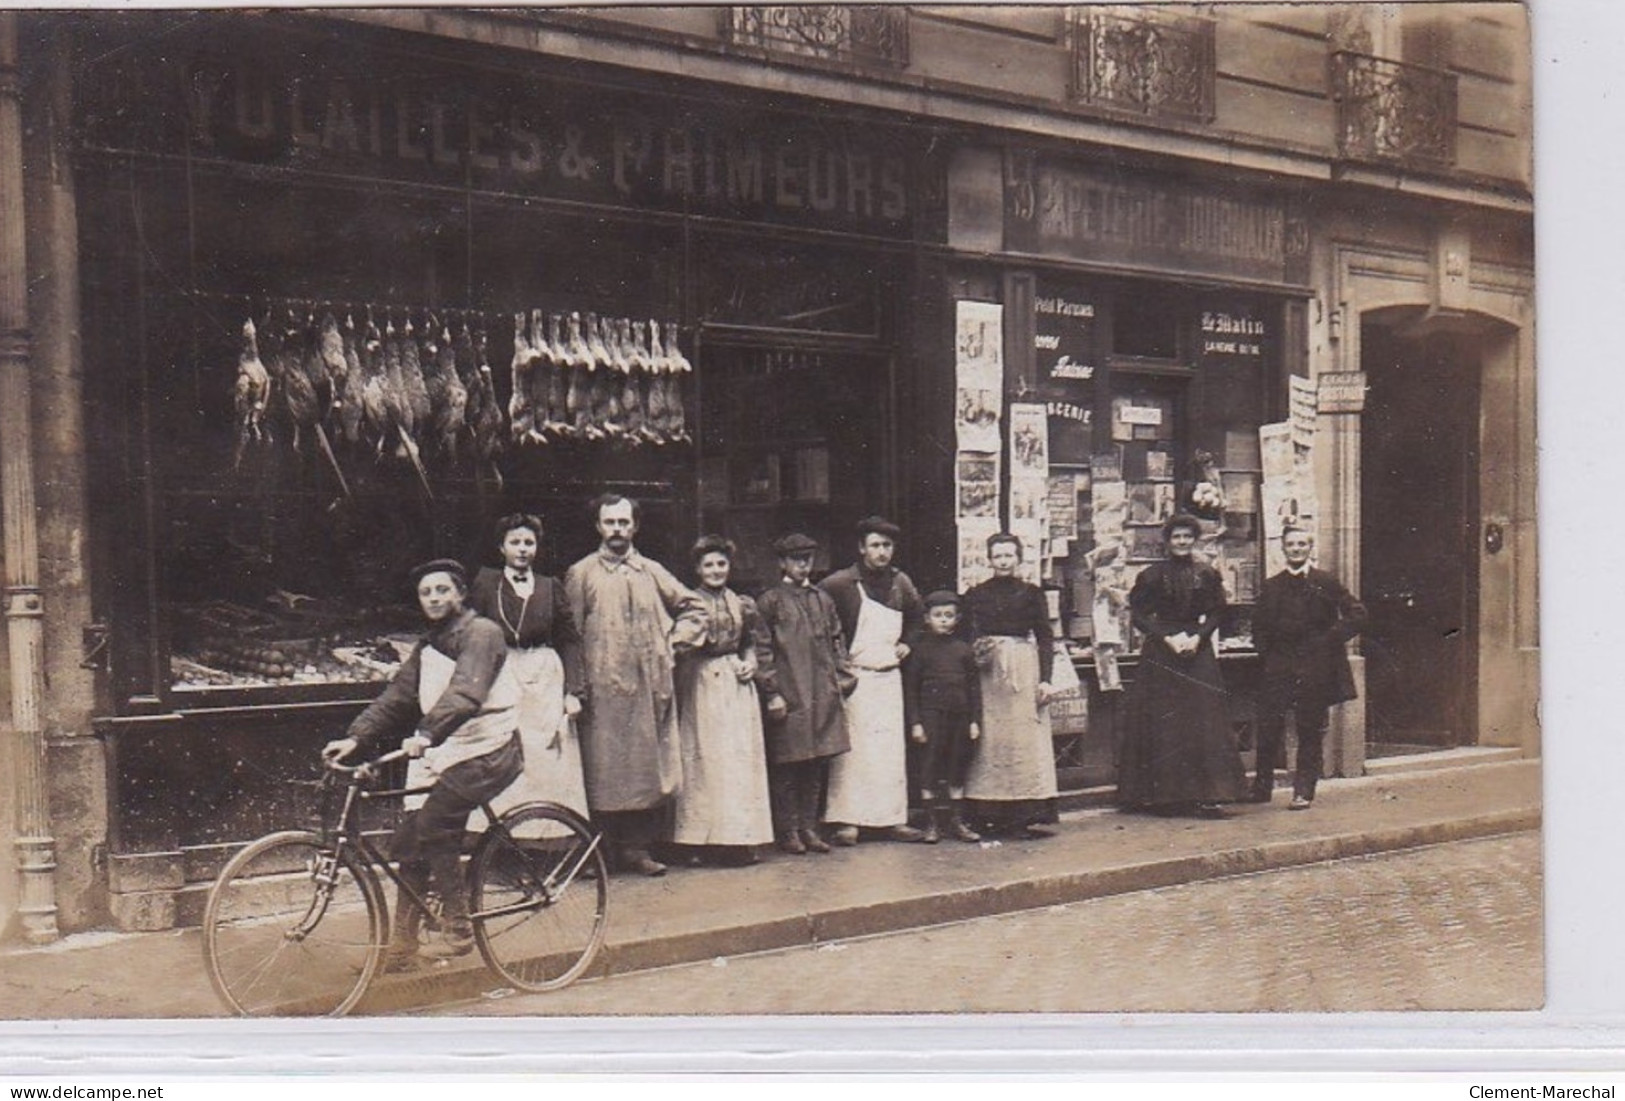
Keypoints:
(633, 616)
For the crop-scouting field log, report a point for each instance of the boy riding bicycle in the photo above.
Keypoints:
(454, 704)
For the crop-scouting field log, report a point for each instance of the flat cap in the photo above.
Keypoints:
(795, 543)
(440, 565)
(940, 597)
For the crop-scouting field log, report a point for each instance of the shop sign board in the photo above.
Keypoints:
(1067, 209)
(1232, 335)
(1341, 392)
(369, 113)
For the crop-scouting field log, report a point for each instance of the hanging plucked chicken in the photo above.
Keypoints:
(250, 393)
(486, 422)
(606, 383)
(521, 414)
(545, 373)
(634, 371)
(578, 361)
(417, 390)
(678, 367)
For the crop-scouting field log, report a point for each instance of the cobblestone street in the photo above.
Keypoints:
(1454, 926)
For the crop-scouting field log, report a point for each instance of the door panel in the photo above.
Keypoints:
(1419, 554)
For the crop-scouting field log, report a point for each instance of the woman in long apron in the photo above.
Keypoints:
(1011, 786)
(544, 653)
(723, 803)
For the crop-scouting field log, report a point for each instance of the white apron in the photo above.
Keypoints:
(723, 800)
(868, 785)
(1016, 758)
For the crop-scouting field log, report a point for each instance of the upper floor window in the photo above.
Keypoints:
(874, 34)
(1395, 100)
(1142, 60)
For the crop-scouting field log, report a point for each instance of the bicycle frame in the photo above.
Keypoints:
(348, 833)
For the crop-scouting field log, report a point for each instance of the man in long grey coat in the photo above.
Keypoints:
(633, 616)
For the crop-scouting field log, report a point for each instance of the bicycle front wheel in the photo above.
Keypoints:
(292, 930)
(539, 890)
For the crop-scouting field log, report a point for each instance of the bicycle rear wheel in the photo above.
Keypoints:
(291, 931)
(539, 890)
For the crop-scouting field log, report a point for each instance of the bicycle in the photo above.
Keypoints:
(297, 922)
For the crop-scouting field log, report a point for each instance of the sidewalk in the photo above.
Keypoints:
(877, 887)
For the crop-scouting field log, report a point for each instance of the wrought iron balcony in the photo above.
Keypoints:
(1394, 111)
(868, 34)
(1145, 62)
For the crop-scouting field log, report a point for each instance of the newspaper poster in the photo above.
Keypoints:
(976, 420)
(1109, 505)
(1028, 500)
(1303, 405)
(1275, 450)
(1062, 505)
(973, 534)
(1031, 534)
(979, 346)
(976, 480)
(1029, 441)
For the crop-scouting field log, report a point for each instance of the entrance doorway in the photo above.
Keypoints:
(1419, 538)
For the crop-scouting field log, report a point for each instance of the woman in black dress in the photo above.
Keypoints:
(1179, 753)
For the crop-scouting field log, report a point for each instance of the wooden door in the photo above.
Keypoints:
(1419, 543)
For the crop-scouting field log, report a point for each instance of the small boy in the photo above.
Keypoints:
(942, 702)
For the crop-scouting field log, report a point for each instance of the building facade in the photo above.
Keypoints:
(1062, 270)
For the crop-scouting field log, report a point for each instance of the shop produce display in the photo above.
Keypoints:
(227, 645)
(395, 386)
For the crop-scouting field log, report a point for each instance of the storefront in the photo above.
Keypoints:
(1148, 325)
(346, 304)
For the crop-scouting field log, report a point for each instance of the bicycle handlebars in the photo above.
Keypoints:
(365, 768)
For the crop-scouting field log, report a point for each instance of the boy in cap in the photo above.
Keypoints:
(801, 671)
(455, 704)
(942, 699)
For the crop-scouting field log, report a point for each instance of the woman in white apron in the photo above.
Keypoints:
(868, 785)
(544, 656)
(723, 803)
(1010, 786)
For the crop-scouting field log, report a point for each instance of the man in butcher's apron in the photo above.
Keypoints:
(881, 612)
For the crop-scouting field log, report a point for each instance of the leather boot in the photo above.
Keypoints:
(456, 931)
(932, 833)
(957, 828)
(407, 925)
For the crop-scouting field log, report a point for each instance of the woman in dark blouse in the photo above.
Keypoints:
(1179, 753)
(1011, 783)
(544, 649)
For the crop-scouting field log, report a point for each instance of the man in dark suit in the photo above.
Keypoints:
(1303, 619)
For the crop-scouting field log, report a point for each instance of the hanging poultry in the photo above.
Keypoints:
(377, 417)
(417, 390)
(634, 385)
(558, 380)
(468, 369)
(680, 368)
(397, 403)
(352, 409)
(487, 421)
(250, 393)
(452, 415)
(543, 366)
(578, 399)
(521, 415)
(606, 383)
(298, 395)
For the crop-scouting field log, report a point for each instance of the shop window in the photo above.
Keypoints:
(1148, 62)
(1154, 400)
(869, 34)
(791, 443)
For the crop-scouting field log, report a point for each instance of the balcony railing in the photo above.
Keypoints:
(1393, 111)
(1148, 63)
(870, 34)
